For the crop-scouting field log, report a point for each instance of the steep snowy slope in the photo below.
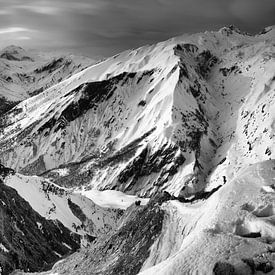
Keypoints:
(235, 225)
(159, 117)
(24, 73)
(78, 213)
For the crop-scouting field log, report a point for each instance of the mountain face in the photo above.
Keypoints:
(41, 222)
(160, 159)
(25, 73)
(29, 241)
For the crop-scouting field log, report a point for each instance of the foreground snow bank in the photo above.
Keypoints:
(235, 225)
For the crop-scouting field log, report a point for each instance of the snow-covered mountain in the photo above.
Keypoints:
(26, 73)
(187, 123)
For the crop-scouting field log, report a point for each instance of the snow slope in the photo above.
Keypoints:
(162, 117)
(235, 223)
(56, 203)
(233, 229)
(25, 73)
(112, 198)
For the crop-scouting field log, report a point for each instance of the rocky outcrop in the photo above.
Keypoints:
(223, 268)
(165, 161)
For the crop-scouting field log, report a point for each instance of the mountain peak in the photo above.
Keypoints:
(16, 53)
(269, 29)
(232, 29)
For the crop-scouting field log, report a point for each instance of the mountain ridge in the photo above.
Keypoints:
(167, 132)
(25, 73)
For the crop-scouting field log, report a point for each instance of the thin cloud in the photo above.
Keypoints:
(105, 27)
(23, 38)
(11, 30)
(5, 12)
(47, 10)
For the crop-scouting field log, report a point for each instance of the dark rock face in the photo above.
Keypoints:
(124, 250)
(91, 95)
(183, 71)
(78, 178)
(15, 53)
(203, 195)
(5, 171)
(222, 268)
(142, 103)
(165, 161)
(35, 167)
(51, 66)
(6, 105)
(205, 62)
(226, 71)
(191, 48)
(147, 163)
(32, 243)
(148, 73)
(259, 264)
(205, 59)
(86, 223)
(229, 30)
(12, 57)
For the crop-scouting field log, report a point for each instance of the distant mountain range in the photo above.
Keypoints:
(26, 73)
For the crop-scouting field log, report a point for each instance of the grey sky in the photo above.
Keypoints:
(105, 27)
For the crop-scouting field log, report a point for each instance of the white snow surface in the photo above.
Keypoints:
(236, 108)
(3, 248)
(51, 202)
(196, 236)
(22, 74)
(112, 198)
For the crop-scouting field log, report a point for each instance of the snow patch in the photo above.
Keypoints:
(112, 198)
(3, 248)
